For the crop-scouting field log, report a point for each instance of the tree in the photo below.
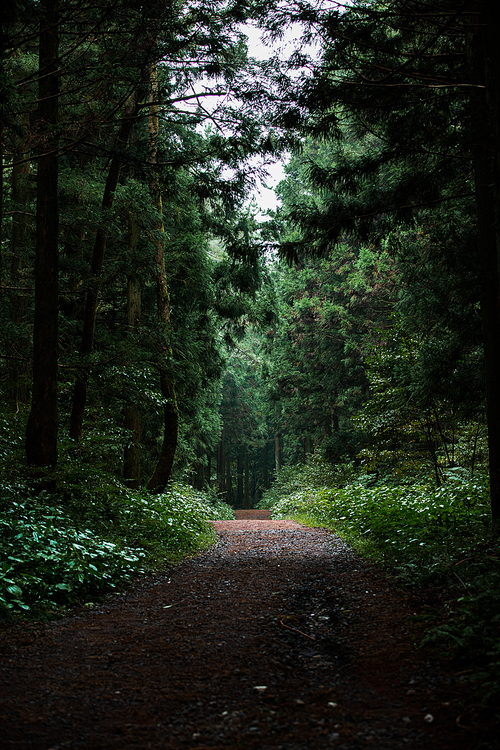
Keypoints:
(418, 82)
(330, 309)
(20, 242)
(163, 468)
(243, 416)
(133, 414)
(414, 423)
(92, 295)
(41, 432)
(484, 64)
(106, 55)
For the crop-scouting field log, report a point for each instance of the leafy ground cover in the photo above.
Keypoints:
(289, 609)
(92, 533)
(425, 536)
(58, 549)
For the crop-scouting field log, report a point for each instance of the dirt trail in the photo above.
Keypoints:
(278, 637)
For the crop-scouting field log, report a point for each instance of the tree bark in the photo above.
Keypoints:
(209, 469)
(229, 483)
(307, 448)
(19, 365)
(91, 299)
(265, 470)
(483, 60)
(2, 149)
(161, 474)
(277, 454)
(220, 464)
(42, 428)
(239, 482)
(199, 470)
(163, 468)
(247, 480)
(133, 416)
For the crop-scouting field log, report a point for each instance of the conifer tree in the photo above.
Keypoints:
(106, 53)
(418, 82)
(42, 429)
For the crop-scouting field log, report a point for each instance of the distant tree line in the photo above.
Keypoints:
(141, 299)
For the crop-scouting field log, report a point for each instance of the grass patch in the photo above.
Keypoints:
(69, 547)
(93, 534)
(424, 536)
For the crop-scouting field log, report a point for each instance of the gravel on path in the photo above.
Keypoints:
(279, 637)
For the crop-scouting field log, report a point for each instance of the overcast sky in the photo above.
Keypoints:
(264, 194)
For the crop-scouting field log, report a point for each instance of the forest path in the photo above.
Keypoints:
(278, 637)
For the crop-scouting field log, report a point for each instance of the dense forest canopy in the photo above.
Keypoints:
(153, 328)
(168, 353)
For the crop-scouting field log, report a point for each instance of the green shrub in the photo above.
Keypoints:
(417, 530)
(424, 536)
(316, 473)
(44, 560)
(93, 534)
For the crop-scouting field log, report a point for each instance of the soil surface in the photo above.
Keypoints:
(278, 637)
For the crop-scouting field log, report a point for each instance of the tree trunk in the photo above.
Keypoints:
(163, 468)
(229, 483)
(209, 469)
(92, 296)
(199, 470)
(19, 364)
(133, 416)
(41, 432)
(265, 470)
(132, 453)
(2, 149)
(220, 464)
(239, 483)
(484, 59)
(247, 480)
(277, 454)
(307, 448)
(161, 474)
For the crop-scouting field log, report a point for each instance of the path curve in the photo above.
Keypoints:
(280, 637)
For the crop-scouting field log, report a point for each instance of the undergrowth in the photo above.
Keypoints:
(425, 536)
(93, 533)
(63, 548)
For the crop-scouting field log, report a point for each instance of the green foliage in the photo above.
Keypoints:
(415, 529)
(415, 422)
(396, 320)
(425, 536)
(45, 561)
(214, 508)
(315, 372)
(314, 475)
(93, 533)
(366, 191)
(67, 548)
(243, 405)
(380, 125)
(472, 620)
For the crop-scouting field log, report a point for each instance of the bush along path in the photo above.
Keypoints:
(279, 636)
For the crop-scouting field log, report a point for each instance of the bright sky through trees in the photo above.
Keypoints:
(264, 194)
(263, 49)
